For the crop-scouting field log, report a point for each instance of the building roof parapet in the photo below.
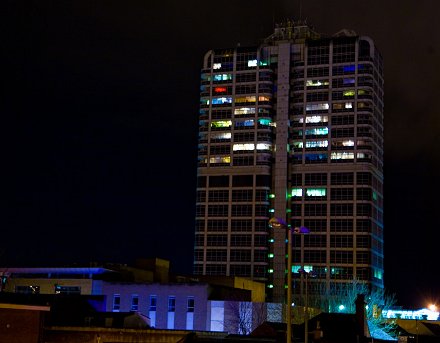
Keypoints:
(290, 30)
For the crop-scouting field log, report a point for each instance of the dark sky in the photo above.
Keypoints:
(99, 125)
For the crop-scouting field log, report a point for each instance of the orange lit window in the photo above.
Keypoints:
(220, 89)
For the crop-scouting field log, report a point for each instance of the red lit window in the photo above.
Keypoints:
(220, 89)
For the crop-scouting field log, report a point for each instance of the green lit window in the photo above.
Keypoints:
(297, 192)
(350, 92)
(266, 122)
(378, 274)
(270, 255)
(317, 131)
(222, 77)
(221, 123)
(316, 192)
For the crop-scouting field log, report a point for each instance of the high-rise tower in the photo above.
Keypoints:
(292, 129)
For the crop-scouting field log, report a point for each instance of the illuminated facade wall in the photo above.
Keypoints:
(293, 129)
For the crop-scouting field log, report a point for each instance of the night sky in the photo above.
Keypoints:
(99, 125)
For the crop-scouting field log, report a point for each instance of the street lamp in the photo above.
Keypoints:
(306, 303)
(278, 223)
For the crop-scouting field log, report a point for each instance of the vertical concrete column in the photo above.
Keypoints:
(280, 169)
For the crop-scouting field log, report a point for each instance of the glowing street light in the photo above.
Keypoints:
(432, 307)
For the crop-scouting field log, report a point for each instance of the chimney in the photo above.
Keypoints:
(361, 317)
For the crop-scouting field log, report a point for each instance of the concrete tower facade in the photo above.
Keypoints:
(292, 129)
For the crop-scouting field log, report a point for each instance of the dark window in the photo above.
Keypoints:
(241, 210)
(342, 178)
(242, 180)
(363, 178)
(341, 241)
(341, 194)
(241, 225)
(263, 180)
(190, 304)
(240, 255)
(171, 304)
(241, 240)
(216, 255)
(242, 195)
(316, 179)
(219, 181)
(217, 240)
(341, 225)
(341, 210)
(315, 210)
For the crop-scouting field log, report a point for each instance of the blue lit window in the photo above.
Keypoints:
(221, 101)
(349, 68)
(249, 122)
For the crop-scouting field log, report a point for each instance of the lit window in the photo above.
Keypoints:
(317, 107)
(378, 274)
(348, 81)
(318, 131)
(251, 98)
(297, 192)
(316, 83)
(216, 66)
(342, 155)
(315, 119)
(316, 192)
(244, 110)
(350, 92)
(316, 144)
(220, 159)
(240, 147)
(221, 135)
(348, 105)
(298, 145)
(252, 63)
(221, 101)
(266, 122)
(349, 68)
(221, 123)
(249, 122)
(219, 89)
(263, 98)
(222, 77)
(264, 146)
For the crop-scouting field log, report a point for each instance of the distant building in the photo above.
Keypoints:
(212, 304)
(292, 129)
